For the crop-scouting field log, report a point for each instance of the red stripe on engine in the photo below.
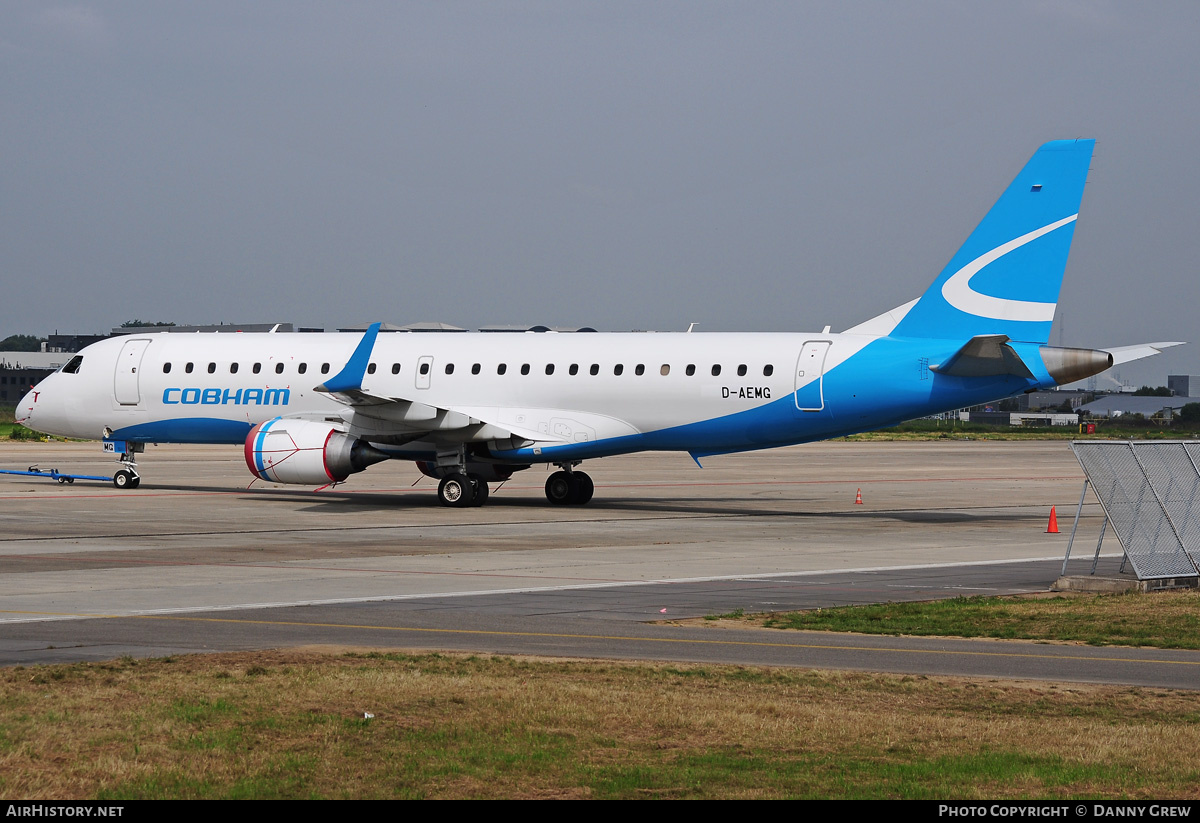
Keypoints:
(325, 451)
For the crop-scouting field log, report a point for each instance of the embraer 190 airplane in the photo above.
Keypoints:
(313, 409)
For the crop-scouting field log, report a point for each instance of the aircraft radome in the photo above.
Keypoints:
(312, 409)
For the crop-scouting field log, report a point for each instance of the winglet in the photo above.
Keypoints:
(351, 376)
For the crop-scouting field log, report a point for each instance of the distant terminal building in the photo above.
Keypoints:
(22, 370)
(70, 342)
(1115, 405)
(220, 327)
(1047, 400)
(999, 418)
(427, 326)
(1184, 385)
(522, 329)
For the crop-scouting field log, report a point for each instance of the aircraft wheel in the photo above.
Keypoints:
(123, 479)
(456, 491)
(560, 488)
(137, 481)
(584, 488)
(479, 490)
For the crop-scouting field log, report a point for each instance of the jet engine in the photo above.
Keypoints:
(305, 452)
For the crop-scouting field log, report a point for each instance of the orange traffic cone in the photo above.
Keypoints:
(1052, 526)
(858, 498)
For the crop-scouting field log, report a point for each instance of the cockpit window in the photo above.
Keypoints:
(73, 364)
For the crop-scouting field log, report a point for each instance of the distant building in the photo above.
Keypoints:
(1115, 405)
(996, 418)
(522, 329)
(70, 342)
(1052, 400)
(362, 327)
(22, 370)
(220, 327)
(1184, 385)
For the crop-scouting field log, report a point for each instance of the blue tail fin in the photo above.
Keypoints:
(1005, 279)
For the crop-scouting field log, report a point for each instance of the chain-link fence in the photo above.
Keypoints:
(1150, 493)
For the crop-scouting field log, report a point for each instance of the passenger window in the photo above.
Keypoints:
(475, 368)
(166, 368)
(595, 369)
(449, 368)
(233, 367)
(324, 368)
(768, 370)
(212, 368)
(257, 368)
(617, 369)
(302, 368)
(574, 369)
(742, 370)
(549, 368)
(690, 370)
(524, 368)
(187, 368)
(665, 370)
(502, 368)
(395, 368)
(370, 368)
(424, 368)
(716, 370)
(639, 369)
(279, 368)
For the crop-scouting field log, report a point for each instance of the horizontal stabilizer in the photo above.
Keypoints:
(1125, 354)
(985, 355)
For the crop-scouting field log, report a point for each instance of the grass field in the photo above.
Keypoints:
(1168, 620)
(293, 725)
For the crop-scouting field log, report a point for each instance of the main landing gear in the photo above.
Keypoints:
(459, 487)
(459, 490)
(569, 487)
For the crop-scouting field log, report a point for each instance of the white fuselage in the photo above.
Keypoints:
(610, 384)
(580, 394)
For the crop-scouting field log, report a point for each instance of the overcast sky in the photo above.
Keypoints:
(746, 166)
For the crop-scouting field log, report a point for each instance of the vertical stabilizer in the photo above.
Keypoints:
(1006, 278)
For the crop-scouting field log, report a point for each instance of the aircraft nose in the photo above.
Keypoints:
(23, 413)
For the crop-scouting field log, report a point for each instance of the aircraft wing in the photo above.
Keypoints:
(376, 416)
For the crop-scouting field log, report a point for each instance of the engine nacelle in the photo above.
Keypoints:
(309, 453)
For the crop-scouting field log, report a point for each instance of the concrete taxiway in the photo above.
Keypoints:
(194, 560)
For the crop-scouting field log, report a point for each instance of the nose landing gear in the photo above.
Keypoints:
(127, 476)
(127, 479)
